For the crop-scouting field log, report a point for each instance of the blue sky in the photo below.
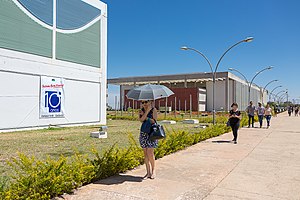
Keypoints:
(144, 38)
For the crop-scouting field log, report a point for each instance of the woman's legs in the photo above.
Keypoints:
(235, 128)
(268, 117)
(151, 158)
(260, 117)
(147, 163)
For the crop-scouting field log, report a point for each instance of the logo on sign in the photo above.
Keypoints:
(53, 101)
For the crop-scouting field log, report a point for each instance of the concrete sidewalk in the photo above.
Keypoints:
(265, 164)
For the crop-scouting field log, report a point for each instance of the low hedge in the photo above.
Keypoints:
(45, 179)
(220, 119)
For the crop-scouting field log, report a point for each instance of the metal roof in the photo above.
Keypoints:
(172, 78)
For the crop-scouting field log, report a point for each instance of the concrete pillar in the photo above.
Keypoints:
(227, 100)
(121, 99)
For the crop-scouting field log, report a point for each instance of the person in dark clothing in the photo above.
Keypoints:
(234, 120)
(296, 111)
(290, 110)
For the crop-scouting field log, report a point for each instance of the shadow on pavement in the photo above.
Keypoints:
(118, 179)
(222, 141)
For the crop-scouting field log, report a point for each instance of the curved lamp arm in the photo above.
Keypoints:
(281, 97)
(209, 63)
(275, 89)
(268, 84)
(280, 92)
(232, 69)
(248, 39)
(267, 68)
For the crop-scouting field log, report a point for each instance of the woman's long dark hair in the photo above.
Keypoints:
(234, 104)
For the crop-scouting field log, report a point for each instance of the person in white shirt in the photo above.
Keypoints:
(260, 113)
(268, 114)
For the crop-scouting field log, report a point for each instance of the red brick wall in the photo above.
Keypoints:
(181, 94)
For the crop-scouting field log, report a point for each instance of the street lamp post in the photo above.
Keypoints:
(276, 95)
(267, 68)
(282, 96)
(251, 82)
(263, 91)
(273, 91)
(214, 70)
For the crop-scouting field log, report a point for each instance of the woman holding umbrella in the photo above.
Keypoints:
(148, 116)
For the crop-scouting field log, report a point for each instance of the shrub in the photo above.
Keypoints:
(3, 183)
(124, 117)
(116, 160)
(43, 179)
(37, 179)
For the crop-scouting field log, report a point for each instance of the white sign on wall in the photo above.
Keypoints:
(52, 97)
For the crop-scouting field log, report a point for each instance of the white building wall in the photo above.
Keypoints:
(20, 87)
(220, 95)
(237, 92)
(85, 86)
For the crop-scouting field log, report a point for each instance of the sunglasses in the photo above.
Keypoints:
(143, 102)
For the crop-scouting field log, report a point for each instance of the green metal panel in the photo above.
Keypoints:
(82, 47)
(20, 33)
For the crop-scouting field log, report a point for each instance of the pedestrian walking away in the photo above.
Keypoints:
(276, 111)
(251, 112)
(148, 116)
(290, 110)
(268, 114)
(234, 121)
(260, 113)
(296, 111)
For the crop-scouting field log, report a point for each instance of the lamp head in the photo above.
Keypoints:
(270, 67)
(249, 39)
(231, 69)
(184, 48)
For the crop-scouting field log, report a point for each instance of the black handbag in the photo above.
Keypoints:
(228, 123)
(146, 127)
(158, 132)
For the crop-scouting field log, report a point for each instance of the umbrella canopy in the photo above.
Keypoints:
(149, 92)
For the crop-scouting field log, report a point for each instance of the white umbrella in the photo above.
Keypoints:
(149, 92)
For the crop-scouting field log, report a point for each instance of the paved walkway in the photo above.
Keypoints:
(265, 164)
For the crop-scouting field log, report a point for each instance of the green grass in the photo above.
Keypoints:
(63, 141)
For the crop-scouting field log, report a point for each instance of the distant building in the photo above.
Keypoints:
(194, 91)
(52, 63)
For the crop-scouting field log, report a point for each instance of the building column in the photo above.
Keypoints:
(121, 99)
(227, 100)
